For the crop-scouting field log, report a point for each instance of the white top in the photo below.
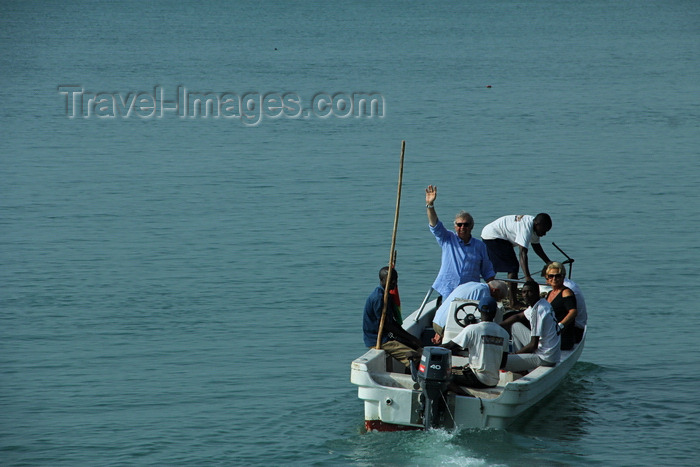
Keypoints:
(543, 324)
(581, 313)
(469, 291)
(518, 230)
(486, 342)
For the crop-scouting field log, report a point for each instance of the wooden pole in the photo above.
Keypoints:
(392, 252)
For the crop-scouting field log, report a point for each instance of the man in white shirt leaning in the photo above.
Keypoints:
(523, 231)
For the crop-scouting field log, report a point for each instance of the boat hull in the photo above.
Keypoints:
(392, 398)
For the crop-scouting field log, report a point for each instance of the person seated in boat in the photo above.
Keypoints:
(501, 235)
(581, 311)
(469, 291)
(396, 341)
(563, 301)
(464, 258)
(538, 345)
(487, 343)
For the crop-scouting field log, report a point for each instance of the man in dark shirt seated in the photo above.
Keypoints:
(396, 341)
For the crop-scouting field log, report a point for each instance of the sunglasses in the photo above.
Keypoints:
(463, 224)
(552, 276)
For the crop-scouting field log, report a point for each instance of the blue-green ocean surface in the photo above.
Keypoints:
(182, 289)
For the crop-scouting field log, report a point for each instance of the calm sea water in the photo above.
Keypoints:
(188, 291)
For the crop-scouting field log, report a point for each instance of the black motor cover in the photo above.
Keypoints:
(434, 373)
(435, 365)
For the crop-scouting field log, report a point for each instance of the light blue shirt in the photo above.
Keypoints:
(461, 262)
(469, 291)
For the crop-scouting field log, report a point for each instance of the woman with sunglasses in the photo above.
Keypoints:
(563, 302)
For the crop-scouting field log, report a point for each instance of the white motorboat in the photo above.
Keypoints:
(395, 400)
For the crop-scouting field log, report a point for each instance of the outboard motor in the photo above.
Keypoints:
(434, 373)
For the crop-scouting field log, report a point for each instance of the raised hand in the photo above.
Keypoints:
(430, 194)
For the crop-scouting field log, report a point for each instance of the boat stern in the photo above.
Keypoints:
(392, 401)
